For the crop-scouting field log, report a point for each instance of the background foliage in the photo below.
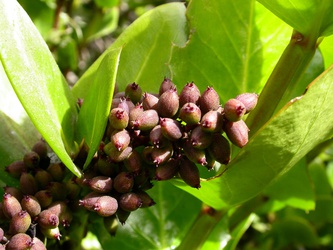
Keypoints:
(277, 191)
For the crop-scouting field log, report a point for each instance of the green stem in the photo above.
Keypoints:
(283, 79)
(203, 225)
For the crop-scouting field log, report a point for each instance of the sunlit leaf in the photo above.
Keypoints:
(311, 17)
(96, 106)
(294, 188)
(275, 148)
(161, 226)
(231, 47)
(37, 81)
(147, 44)
(326, 49)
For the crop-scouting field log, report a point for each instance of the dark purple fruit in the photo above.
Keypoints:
(89, 200)
(237, 133)
(189, 172)
(130, 202)
(196, 155)
(167, 170)
(120, 139)
(44, 198)
(20, 241)
(147, 201)
(200, 138)
(28, 184)
(220, 149)
(156, 137)
(40, 148)
(133, 163)
(123, 182)
(146, 121)
(149, 101)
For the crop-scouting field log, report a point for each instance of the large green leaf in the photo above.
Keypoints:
(96, 106)
(275, 148)
(233, 46)
(326, 49)
(161, 226)
(17, 133)
(311, 17)
(294, 188)
(146, 49)
(37, 81)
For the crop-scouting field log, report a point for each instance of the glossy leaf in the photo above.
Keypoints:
(294, 188)
(146, 50)
(312, 17)
(96, 106)
(37, 81)
(17, 133)
(231, 47)
(326, 50)
(302, 124)
(219, 237)
(161, 226)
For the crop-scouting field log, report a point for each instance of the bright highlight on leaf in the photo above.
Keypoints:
(41, 89)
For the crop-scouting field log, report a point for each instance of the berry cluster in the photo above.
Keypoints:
(149, 137)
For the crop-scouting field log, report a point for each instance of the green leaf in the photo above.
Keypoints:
(147, 44)
(106, 3)
(326, 50)
(17, 133)
(233, 47)
(294, 188)
(301, 125)
(311, 17)
(101, 24)
(161, 226)
(96, 106)
(37, 81)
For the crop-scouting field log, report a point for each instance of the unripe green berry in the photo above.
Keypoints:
(20, 222)
(130, 202)
(134, 92)
(51, 233)
(20, 241)
(234, 110)
(190, 113)
(47, 219)
(118, 118)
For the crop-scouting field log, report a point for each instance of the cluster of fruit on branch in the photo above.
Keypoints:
(149, 137)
